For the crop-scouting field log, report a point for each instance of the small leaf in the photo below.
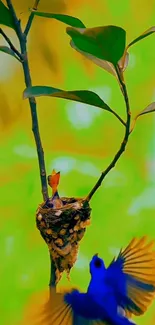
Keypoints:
(7, 50)
(69, 20)
(123, 63)
(145, 34)
(83, 96)
(149, 109)
(105, 43)
(5, 16)
(109, 67)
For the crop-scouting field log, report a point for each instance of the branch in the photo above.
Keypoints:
(28, 25)
(52, 273)
(118, 117)
(35, 127)
(12, 47)
(125, 139)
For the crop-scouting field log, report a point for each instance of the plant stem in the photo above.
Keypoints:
(52, 273)
(12, 47)
(118, 117)
(35, 127)
(125, 139)
(36, 4)
(28, 25)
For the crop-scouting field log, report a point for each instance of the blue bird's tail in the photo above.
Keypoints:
(118, 320)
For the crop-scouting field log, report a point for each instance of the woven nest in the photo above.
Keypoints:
(62, 229)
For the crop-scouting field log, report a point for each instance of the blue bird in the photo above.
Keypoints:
(125, 288)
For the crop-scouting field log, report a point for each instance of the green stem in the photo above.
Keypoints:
(125, 139)
(12, 47)
(29, 23)
(52, 282)
(35, 126)
(30, 20)
(118, 117)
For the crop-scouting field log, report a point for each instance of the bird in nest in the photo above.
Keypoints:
(54, 201)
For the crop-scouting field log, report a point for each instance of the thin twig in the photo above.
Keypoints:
(32, 101)
(12, 47)
(52, 273)
(125, 139)
(35, 7)
(118, 117)
(28, 25)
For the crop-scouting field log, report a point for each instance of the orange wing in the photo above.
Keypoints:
(54, 311)
(139, 262)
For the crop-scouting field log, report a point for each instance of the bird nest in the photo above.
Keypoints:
(62, 229)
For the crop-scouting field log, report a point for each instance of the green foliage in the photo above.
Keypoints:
(69, 20)
(106, 42)
(83, 96)
(101, 63)
(88, 43)
(5, 16)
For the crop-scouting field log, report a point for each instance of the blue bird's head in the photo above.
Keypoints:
(96, 265)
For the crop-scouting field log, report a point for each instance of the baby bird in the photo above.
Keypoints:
(53, 180)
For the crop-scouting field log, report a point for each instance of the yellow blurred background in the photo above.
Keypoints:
(78, 140)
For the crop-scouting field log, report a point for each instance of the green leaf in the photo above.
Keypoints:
(83, 96)
(123, 63)
(5, 16)
(69, 20)
(109, 67)
(145, 34)
(149, 109)
(7, 50)
(105, 43)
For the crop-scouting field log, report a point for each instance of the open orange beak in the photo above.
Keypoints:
(53, 181)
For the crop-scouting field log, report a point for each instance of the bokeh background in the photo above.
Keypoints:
(78, 140)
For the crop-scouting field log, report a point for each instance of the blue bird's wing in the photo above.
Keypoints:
(83, 321)
(54, 310)
(132, 276)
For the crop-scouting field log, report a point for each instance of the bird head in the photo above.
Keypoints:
(96, 265)
(53, 181)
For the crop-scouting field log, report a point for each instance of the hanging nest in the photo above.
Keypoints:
(62, 229)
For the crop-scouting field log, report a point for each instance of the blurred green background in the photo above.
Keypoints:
(78, 140)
